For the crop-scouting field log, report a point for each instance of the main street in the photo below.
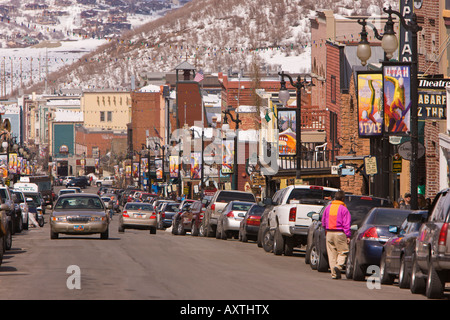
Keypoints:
(138, 265)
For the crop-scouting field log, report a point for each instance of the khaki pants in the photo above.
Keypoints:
(337, 249)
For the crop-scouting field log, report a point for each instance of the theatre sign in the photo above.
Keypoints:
(432, 97)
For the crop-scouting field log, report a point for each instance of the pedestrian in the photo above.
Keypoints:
(336, 221)
(407, 203)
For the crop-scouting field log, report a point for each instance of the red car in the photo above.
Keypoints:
(189, 218)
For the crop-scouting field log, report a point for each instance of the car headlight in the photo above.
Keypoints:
(59, 219)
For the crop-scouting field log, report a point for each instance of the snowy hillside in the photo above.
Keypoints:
(213, 35)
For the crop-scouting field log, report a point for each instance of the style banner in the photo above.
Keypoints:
(287, 124)
(397, 97)
(370, 106)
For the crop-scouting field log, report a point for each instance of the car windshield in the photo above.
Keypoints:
(79, 203)
(359, 207)
(394, 217)
(227, 196)
(311, 195)
(139, 206)
(241, 206)
(36, 199)
(172, 207)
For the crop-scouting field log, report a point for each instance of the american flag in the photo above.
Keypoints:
(199, 76)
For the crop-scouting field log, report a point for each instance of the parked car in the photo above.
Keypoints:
(3, 230)
(181, 221)
(431, 259)
(190, 218)
(138, 215)
(367, 243)
(220, 199)
(79, 214)
(316, 250)
(20, 200)
(168, 209)
(398, 251)
(15, 216)
(249, 226)
(230, 219)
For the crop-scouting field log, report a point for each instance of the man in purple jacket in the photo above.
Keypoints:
(336, 220)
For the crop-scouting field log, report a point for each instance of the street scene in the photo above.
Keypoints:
(138, 265)
(204, 150)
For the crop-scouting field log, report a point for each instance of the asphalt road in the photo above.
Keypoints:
(140, 266)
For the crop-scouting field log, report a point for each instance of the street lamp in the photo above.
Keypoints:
(283, 96)
(389, 44)
(225, 127)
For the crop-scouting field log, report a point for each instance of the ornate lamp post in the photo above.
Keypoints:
(389, 44)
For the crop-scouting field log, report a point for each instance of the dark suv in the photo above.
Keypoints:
(81, 182)
(316, 251)
(431, 259)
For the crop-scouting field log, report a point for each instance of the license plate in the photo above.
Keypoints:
(139, 215)
(78, 228)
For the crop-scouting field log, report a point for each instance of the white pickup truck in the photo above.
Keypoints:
(105, 182)
(288, 220)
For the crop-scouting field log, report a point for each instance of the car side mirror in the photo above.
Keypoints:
(354, 227)
(393, 229)
(315, 217)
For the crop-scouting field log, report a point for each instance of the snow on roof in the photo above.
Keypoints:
(63, 115)
(150, 88)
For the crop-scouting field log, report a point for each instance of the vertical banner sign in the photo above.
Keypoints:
(159, 169)
(405, 45)
(174, 166)
(196, 165)
(287, 139)
(397, 97)
(370, 106)
(227, 156)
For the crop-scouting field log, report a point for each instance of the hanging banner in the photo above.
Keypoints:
(397, 97)
(227, 156)
(287, 138)
(370, 106)
(405, 41)
(174, 166)
(196, 165)
(159, 169)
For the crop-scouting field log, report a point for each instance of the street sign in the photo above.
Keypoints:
(370, 163)
(396, 163)
(405, 150)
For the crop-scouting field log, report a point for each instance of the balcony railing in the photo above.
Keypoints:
(312, 157)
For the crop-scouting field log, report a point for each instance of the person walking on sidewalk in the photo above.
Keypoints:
(336, 221)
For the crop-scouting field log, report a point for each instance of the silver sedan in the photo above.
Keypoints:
(79, 214)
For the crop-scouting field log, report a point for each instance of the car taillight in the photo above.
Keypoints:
(253, 221)
(125, 214)
(292, 213)
(153, 216)
(443, 235)
(163, 215)
(370, 234)
(230, 214)
(213, 207)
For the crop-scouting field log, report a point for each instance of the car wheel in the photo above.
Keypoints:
(105, 235)
(385, 277)
(322, 260)
(243, 236)
(180, 228)
(2, 249)
(152, 230)
(278, 243)
(404, 277)
(54, 235)
(417, 281)
(313, 257)
(202, 230)
(349, 267)
(289, 246)
(194, 229)
(20, 224)
(8, 243)
(435, 283)
(267, 240)
(359, 271)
